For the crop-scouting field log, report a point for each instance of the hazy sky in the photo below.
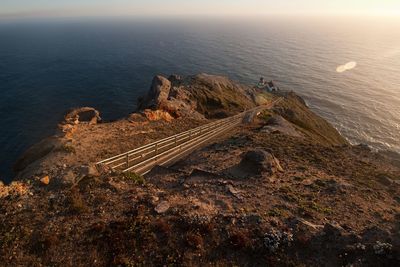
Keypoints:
(177, 7)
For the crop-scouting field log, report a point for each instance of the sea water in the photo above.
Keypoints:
(49, 66)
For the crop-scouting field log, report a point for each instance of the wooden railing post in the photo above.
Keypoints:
(155, 152)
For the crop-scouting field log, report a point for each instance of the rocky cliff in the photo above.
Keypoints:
(284, 190)
(196, 96)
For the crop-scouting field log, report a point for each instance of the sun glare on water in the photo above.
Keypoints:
(348, 66)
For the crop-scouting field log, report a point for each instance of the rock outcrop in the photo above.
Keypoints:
(59, 142)
(295, 110)
(197, 96)
(82, 115)
(278, 124)
(76, 116)
(256, 163)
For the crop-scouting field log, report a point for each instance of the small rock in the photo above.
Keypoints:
(385, 180)
(333, 229)
(89, 171)
(162, 207)
(154, 200)
(303, 224)
(307, 182)
(232, 190)
(304, 230)
(45, 180)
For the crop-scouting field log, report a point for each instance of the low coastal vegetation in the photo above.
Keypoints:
(283, 189)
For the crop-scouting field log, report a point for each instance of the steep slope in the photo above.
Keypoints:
(295, 110)
(283, 190)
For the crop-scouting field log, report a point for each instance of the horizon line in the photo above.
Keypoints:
(62, 15)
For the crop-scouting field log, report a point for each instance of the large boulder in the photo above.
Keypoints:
(259, 162)
(278, 124)
(158, 93)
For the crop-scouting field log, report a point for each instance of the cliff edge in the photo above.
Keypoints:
(285, 189)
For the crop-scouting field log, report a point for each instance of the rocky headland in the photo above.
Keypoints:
(285, 189)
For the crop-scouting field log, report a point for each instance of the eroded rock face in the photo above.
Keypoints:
(197, 96)
(82, 115)
(76, 116)
(166, 96)
(159, 91)
(158, 95)
(156, 115)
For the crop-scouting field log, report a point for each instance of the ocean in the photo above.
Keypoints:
(47, 67)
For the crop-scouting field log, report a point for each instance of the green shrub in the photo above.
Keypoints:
(136, 178)
(265, 116)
